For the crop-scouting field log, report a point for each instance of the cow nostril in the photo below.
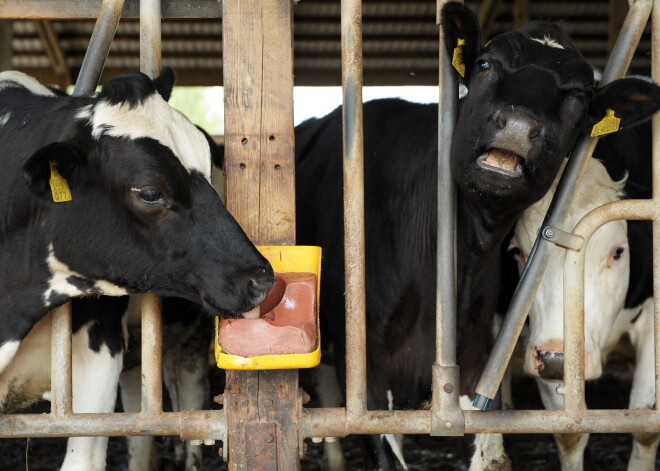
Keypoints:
(551, 364)
(536, 131)
(499, 119)
(257, 290)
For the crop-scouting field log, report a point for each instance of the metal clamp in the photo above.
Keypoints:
(562, 238)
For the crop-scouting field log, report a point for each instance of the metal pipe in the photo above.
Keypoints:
(60, 361)
(574, 401)
(333, 423)
(189, 425)
(354, 249)
(530, 279)
(152, 352)
(655, 74)
(98, 48)
(445, 378)
(150, 37)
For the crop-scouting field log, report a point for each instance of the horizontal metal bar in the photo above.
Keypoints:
(89, 9)
(189, 425)
(333, 422)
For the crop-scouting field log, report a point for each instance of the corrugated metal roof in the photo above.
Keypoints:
(400, 42)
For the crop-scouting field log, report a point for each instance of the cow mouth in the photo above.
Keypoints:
(501, 161)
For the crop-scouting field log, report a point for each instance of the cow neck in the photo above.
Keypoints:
(480, 229)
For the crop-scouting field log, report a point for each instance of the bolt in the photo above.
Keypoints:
(447, 425)
(449, 388)
(269, 438)
(549, 233)
(317, 439)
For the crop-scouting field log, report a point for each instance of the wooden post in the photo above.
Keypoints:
(261, 406)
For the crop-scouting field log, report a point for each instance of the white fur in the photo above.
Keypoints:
(4, 119)
(605, 287)
(155, 119)
(7, 352)
(488, 447)
(59, 283)
(12, 78)
(547, 41)
(394, 440)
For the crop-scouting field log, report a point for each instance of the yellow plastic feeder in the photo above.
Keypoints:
(283, 332)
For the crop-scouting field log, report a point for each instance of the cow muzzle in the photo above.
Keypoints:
(547, 361)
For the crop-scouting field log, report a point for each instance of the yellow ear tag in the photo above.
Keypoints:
(457, 60)
(607, 125)
(58, 185)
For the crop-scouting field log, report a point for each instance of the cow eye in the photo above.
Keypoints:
(615, 254)
(483, 64)
(151, 196)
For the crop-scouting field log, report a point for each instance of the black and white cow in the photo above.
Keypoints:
(142, 217)
(530, 93)
(618, 290)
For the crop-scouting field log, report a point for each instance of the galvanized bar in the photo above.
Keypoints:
(150, 37)
(356, 338)
(332, 422)
(152, 352)
(531, 277)
(60, 362)
(189, 425)
(98, 48)
(655, 75)
(447, 414)
(88, 9)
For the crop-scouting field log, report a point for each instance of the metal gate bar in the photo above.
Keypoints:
(354, 248)
(655, 75)
(98, 48)
(617, 65)
(60, 362)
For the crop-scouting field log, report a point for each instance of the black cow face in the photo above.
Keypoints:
(143, 215)
(529, 94)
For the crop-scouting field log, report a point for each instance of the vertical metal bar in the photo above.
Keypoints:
(152, 365)
(655, 74)
(99, 46)
(150, 37)
(152, 335)
(60, 361)
(574, 401)
(447, 416)
(356, 357)
(531, 277)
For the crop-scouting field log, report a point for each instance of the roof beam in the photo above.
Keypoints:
(76, 9)
(54, 52)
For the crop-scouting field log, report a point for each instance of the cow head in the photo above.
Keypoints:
(529, 94)
(143, 214)
(607, 267)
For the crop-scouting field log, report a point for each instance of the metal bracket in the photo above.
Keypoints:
(447, 417)
(562, 238)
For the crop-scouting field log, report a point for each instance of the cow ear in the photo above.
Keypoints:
(461, 28)
(68, 160)
(164, 83)
(632, 100)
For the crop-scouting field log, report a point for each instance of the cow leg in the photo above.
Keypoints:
(642, 395)
(489, 453)
(384, 450)
(330, 396)
(570, 445)
(186, 379)
(95, 380)
(141, 454)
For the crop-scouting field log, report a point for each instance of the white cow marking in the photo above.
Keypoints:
(155, 119)
(59, 282)
(13, 78)
(7, 353)
(390, 438)
(5, 118)
(547, 41)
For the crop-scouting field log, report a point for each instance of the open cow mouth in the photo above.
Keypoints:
(501, 161)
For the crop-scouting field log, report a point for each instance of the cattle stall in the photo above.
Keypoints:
(259, 164)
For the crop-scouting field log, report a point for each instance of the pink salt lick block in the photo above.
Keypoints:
(284, 323)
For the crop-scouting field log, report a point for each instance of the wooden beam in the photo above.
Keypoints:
(64, 9)
(520, 13)
(6, 35)
(262, 406)
(54, 52)
(618, 12)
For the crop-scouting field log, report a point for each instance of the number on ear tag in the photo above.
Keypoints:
(607, 125)
(58, 185)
